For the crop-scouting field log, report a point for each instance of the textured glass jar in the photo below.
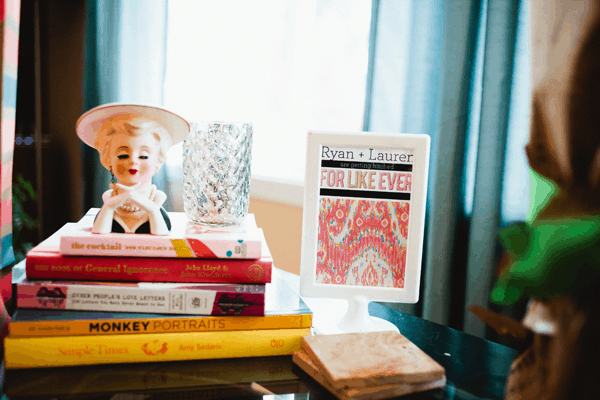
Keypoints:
(216, 172)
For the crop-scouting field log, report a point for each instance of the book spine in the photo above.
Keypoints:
(123, 245)
(128, 298)
(54, 266)
(110, 326)
(6, 283)
(103, 349)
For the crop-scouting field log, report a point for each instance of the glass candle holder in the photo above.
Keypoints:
(216, 172)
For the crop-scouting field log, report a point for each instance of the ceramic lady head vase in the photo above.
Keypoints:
(132, 141)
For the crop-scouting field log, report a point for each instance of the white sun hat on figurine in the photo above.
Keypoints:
(88, 125)
(132, 141)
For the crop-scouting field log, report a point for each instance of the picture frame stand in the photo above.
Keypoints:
(357, 318)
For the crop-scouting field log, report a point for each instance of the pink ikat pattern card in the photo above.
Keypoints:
(362, 242)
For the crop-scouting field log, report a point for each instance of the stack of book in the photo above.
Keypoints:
(198, 293)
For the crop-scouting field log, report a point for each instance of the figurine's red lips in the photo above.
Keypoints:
(133, 171)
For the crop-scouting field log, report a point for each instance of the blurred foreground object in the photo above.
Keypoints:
(555, 260)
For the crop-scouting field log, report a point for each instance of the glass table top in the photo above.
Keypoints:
(475, 369)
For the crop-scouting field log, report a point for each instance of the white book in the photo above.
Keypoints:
(186, 240)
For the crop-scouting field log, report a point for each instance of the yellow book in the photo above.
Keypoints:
(37, 323)
(109, 349)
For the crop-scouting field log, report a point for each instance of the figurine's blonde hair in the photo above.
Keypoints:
(132, 125)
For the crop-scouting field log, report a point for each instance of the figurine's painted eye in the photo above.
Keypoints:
(123, 156)
(143, 157)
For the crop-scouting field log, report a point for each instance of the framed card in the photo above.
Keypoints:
(364, 215)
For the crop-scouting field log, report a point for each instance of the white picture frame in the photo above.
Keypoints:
(334, 207)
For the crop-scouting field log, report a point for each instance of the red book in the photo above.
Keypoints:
(46, 262)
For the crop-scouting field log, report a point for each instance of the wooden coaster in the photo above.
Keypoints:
(374, 392)
(355, 360)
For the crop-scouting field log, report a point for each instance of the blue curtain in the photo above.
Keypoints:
(124, 62)
(459, 72)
